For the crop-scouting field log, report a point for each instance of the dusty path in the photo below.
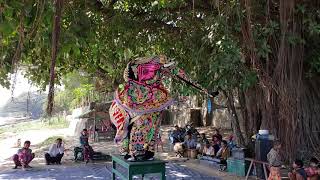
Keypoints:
(176, 168)
(35, 136)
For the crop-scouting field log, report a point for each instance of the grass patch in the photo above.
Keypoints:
(49, 141)
(52, 123)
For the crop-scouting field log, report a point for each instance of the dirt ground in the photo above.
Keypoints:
(111, 148)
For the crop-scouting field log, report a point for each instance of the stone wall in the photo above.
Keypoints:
(186, 107)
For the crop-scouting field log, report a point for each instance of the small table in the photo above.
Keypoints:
(137, 168)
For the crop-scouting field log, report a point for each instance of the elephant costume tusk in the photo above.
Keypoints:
(169, 64)
(134, 119)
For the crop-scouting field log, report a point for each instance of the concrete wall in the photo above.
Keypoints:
(180, 113)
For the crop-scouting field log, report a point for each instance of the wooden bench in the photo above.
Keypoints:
(137, 168)
(253, 162)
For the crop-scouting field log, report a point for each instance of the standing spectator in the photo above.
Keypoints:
(55, 153)
(275, 162)
(231, 142)
(298, 173)
(159, 141)
(24, 156)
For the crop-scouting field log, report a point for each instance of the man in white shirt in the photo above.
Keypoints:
(55, 153)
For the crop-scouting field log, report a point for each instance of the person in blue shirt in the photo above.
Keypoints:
(190, 143)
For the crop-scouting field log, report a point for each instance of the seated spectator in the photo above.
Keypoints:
(86, 148)
(217, 134)
(202, 143)
(274, 160)
(176, 135)
(24, 156)
(189, 143)
(223, 154)
(55, 153)
(298, 173)
(208, 150)
(192, 130)
(203, 139)
(313, 170)
(216, 144)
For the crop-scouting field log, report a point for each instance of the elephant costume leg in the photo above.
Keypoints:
(143, 135)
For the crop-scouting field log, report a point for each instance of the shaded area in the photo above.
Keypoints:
(97, 171)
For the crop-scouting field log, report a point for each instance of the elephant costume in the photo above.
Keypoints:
(136, 110)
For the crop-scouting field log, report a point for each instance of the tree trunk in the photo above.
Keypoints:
(234, 118)
(244, 112)
(55, 41)
(283, 101)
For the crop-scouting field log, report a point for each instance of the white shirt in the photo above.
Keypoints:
(208, 151)
(54, 150)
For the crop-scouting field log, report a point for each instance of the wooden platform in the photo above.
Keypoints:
(137, 168)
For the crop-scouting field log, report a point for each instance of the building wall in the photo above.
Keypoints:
(180, 113)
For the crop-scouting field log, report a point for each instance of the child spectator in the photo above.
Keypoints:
(223, 154)
(274, 160)
(208, 150)
(202, 143)
(298, 173)
(312, 170)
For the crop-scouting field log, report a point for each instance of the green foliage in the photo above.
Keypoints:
(100, 37)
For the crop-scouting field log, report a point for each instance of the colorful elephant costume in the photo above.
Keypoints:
(136, 110)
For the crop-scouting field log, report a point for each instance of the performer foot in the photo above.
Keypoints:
(127, 156)
(132, 159)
